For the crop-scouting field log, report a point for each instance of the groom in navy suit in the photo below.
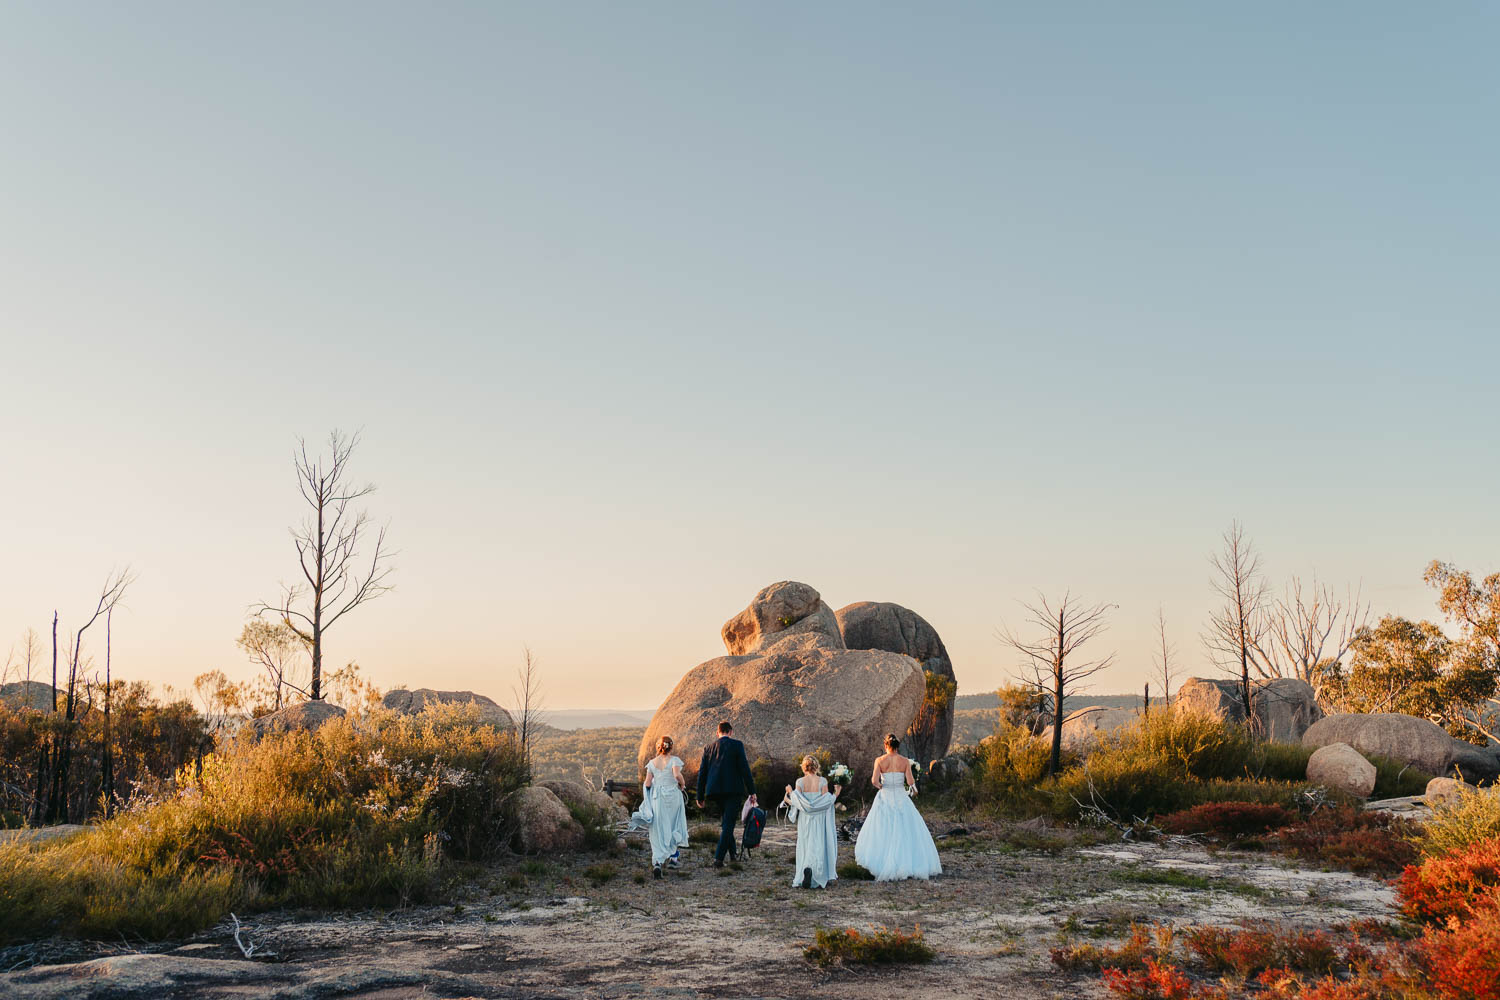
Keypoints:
(724, 776)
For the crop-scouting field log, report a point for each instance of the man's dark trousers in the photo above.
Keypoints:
(731, 807)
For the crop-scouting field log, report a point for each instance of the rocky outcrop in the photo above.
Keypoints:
(413, 702)
(1086, 724)
(305, 715)
(1445, 792)
(1341, 767)
(578, 796)
(1284, 707)
(542, 823)
(1408, 739)
(30, 694)
(778, 612)
(796, 688)
(895, 629)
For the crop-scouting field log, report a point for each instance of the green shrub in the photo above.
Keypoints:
(852, 871)
(1395, 778)
(1187, 743)
(359, 812)
(598, 825)
(1007, 773)
(879, 946)
(1454, 827)
(1281, 761)
(1123, 787)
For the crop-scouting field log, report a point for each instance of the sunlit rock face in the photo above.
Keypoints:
(792, 687)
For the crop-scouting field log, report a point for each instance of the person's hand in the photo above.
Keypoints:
(789, 789)
(700, 803)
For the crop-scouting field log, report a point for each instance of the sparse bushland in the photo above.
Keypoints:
(368, 811)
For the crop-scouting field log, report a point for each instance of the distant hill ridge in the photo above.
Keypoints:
(992, 700)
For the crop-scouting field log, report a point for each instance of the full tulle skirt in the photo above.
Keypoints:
(894, 842)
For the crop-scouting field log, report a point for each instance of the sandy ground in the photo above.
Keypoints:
(546, 928)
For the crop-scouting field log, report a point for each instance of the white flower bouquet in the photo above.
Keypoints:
(839, 774)
(916, 769)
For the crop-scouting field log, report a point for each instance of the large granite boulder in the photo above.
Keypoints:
(304, 715)
(797, 689)
(542, 823)
(1408, 739)
(578, 796)
(1342, 768)
(30, 694)
(1283, 707)
(779, 611)
(895, 629)
(1087, 724)
(414, 702)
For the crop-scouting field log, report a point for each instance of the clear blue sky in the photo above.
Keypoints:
(642, 307)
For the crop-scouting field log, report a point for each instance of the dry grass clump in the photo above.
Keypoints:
(359, 812)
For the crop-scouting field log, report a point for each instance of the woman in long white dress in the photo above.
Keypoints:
(894, 842)
(817, 834)
(663, 808)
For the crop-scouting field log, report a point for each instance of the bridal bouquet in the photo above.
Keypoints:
(916, 769)
(838, 774)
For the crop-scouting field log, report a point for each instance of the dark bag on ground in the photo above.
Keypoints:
(755, 825)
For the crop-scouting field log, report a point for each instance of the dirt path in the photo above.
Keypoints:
(599, 927)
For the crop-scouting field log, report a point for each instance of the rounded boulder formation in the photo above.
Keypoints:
(1418, 742)
(405, 702)
(1284, 707)
(542, 823)
(797, 689)
(1341, 767)
(896, 629)
(580, 797)
(304, 715)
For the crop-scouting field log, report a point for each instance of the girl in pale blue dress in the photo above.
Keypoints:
(811, 806)
(663, 809)
(894, 842)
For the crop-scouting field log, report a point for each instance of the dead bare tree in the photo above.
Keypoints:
(110, 596)
(1164, 659)
(528, 701)
(1308, 630)
(1236, 628)
(107, 756)
(335, 577)
(280, 652)
(1050, 657)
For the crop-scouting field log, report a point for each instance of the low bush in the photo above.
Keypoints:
(1142, 944)
(1119, 787)
(1352, 838)
(1281, 761)
(1453, 887)
(359, 812)
(853, 872)
(1396, 778)
(1228, 820)
(1155, 981)
(1008, 772)
(1188, 743)
(1462, 962)
(1475, 817)
(1247, 951)
(879, 946)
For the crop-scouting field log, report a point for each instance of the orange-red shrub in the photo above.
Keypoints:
(1157, 981)
(1454, 886)
(1462, 963)
(1250, 950)
(1228, 820)
(1349, 837)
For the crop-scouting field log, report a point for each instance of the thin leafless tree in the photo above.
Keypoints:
(337, 577)
(1236, 628)
(1307, 630)
(1164, 658)
(1050, 657)
(110, 596)
(528, 704)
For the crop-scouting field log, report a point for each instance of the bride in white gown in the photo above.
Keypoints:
(894, 842)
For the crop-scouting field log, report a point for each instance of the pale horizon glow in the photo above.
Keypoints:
(642, 309)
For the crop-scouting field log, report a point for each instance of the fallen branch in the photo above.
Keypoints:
(246, 950)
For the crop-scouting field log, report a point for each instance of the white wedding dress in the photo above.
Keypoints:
(894, 842)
